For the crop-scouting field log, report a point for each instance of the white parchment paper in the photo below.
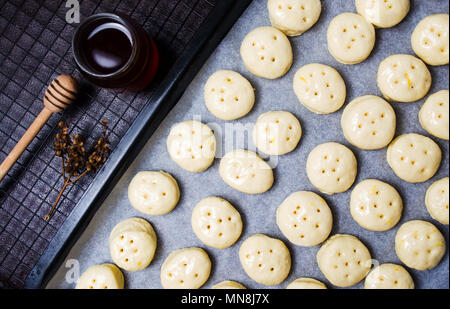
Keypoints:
(258, 211)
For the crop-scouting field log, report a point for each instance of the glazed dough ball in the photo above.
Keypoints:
(320, 88)
(277, 133)
(228, 95)
(433, 115)
(331, 168)
(383, 13)
(305, 218)
(104, 276)
(344, 260)
(132, 244)
(192, 145)
(153, 193)
(436, 200)
(414, 157)
(267, 52)
(216, 222)
(375, 205)
(187, 268)
(369, 122)
(229, 285)
(350, 38)
(306, 284)
(264, 259)
(245, 171)
(403, 78)
(389, 276)
(430, 39)
(419, 245)
(294, 17)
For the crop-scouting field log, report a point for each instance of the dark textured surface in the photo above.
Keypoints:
(34, 49)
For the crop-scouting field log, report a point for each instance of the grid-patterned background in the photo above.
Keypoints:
(34, 49)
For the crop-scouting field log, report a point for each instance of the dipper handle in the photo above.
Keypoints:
(59, 95)
(23, 143)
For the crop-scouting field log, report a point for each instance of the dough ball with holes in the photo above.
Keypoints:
(419, 245)
(304, 218)
(414, 157)
(306, 284)
(436, 200)
(132, 244)
(264, 259)
(245, 171)
(403, 78)
(228, 95)
(344, 260)
(320, 88)
(187, 268)
(192, 145)
(433, 115)
(267, 52)
(104, 276)
(430, 39)
(331, 168)
(383, 13)
(153, 193)
(389, 276)
(277, 133)
(369, 122)
(350, 38)
(375, 205)
(294, 17)
(216, 222)
(229, 285)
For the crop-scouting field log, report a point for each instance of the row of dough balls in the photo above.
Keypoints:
(368, 122)
(343, 259)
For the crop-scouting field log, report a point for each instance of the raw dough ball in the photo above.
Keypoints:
(403, 78)
(228, 95)
(389, 276)
(430, 39)
(331, 168)
(277, 133)
(375, 205)
(320, 88)
(153, 193)
(433, 115)
(436, 200)
(104, 276)
(344, 260)
(383, 13)
(216, 222)
(229, 285)
(266, 260)
(305, 218)
(294, 17)
(419, 245)
(369, 122)
(187, 268)
(414, 157)
(350, 38)
(192, 145)
(306, 284)
(267, 52)
(132, 244)
(245, 171)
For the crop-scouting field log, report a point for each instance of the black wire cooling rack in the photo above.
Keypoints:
(35, 42)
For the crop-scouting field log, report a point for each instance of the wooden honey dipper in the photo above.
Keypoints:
(59, 95)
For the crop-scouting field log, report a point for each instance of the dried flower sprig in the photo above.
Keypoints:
(75, 164)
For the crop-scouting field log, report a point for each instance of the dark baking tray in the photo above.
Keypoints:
(215, 27)
(35, 41)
